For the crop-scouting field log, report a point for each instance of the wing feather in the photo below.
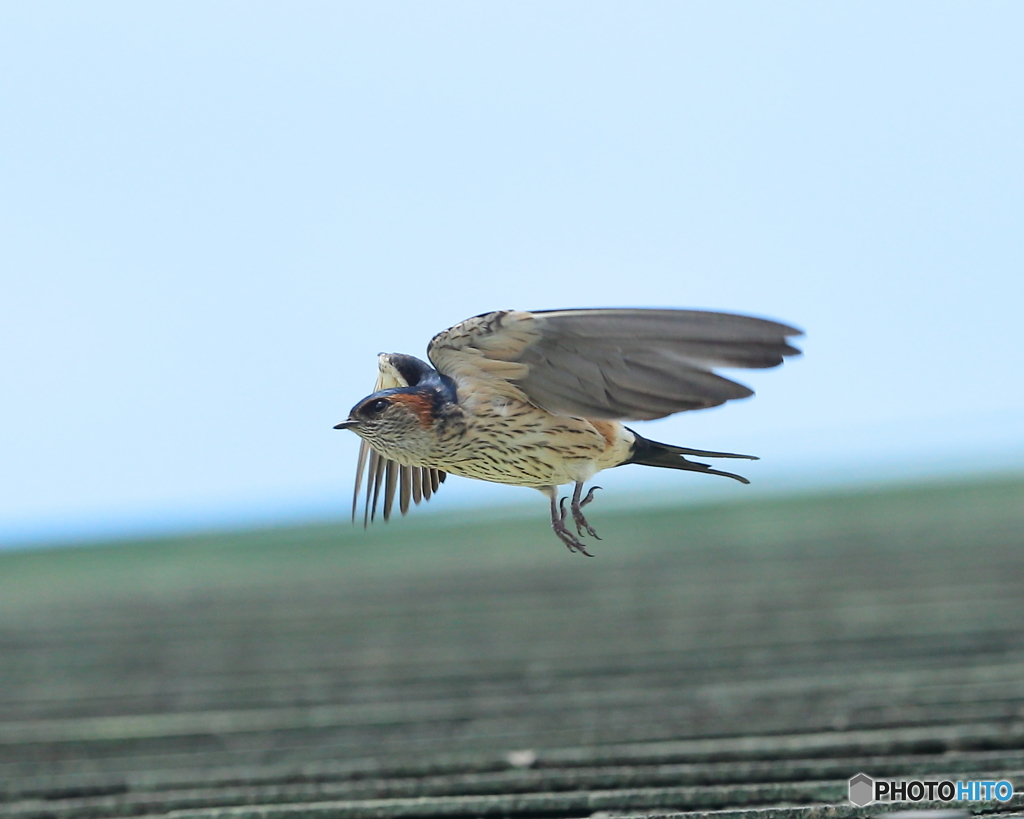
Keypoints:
(417, 485)
(614, 364)
(371, 479)
(364, 451)
(406, 488)
(390, 485)
(378, 480)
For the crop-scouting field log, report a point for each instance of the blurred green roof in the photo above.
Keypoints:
(743, 658)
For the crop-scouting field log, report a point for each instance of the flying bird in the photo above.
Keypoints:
(537, 399)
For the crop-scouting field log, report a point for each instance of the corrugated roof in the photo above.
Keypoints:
(743, 660)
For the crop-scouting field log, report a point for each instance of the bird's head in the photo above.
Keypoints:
(398, 423)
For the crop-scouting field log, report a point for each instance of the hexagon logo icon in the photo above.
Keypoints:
(862, 790)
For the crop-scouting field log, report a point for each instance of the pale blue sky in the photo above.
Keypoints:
(214, 215)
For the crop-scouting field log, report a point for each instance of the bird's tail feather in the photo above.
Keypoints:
(653, 453)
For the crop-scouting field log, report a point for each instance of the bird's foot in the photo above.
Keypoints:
(568, 538)
(577, 512)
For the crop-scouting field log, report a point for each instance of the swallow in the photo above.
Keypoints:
(538, 399)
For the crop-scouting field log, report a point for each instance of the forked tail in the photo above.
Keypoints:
(652, 453)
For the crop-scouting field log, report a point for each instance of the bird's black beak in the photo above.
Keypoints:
(346, 425)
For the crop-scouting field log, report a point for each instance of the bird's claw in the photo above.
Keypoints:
(579, 519)
(568, 538)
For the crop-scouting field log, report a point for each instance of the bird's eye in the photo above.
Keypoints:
(377, 407)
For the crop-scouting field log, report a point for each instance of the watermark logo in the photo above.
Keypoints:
(864, 790)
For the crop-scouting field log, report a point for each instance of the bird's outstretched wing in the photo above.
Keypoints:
(410, 482)
(614, 364)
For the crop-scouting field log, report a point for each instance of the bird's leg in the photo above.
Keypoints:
(577, 509)
(558, 513)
